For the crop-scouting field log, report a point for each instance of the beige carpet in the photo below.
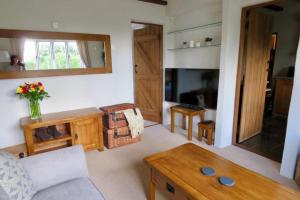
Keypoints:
(121, 173)
(149, 123)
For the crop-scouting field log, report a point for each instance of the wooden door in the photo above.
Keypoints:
(86, 132)
(148, 71)
(257, 49)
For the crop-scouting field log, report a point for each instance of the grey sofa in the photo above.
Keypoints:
(61, 175)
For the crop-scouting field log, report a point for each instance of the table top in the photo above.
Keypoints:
(185, 110)
(182, 166)
(61, 116)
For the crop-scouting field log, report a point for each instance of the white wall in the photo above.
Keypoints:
(186, 14)
(200, 57)
(229, 59)
(228, 71)
(292, 139)
(90, 16)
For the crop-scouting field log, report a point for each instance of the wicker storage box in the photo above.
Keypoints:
(111, 119)
(118, 137)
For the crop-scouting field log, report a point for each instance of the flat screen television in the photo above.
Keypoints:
(192, 87)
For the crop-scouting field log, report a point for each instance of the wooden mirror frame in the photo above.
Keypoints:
(5, 33)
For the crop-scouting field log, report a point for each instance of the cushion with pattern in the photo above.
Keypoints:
(15, 182)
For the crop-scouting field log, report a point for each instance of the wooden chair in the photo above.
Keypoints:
(206, 127)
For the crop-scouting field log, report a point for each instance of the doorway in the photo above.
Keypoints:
(269, 38)
(148, 70)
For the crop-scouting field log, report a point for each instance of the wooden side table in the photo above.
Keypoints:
(186, 112)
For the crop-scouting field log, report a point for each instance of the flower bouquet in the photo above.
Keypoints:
(35, 93)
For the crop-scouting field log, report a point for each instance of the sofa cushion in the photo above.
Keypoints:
(55, 167)
(3, 194)
(15, 182)
(77, 189)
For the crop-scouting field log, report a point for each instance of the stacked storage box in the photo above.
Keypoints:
(116, 131)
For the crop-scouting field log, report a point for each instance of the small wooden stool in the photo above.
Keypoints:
(208, 127)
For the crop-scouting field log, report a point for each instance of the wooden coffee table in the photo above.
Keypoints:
(177, 172)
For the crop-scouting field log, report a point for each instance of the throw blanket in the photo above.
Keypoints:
(135, 121)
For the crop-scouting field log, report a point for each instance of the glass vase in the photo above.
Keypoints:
(35, 111)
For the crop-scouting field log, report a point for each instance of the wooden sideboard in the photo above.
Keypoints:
(82, 126)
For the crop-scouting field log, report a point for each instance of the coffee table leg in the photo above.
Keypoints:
(190, 128)
(151, 194)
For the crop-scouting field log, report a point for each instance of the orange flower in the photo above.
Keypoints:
(41, 87)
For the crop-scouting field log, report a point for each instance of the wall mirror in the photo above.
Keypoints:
(25, 54)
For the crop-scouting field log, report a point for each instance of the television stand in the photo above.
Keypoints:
(186, 111)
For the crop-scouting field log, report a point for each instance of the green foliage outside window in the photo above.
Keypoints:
(60, 60)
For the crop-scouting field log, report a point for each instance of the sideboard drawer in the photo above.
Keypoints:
(168, 187)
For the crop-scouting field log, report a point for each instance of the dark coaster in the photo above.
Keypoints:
(208, 171)
(226, 181)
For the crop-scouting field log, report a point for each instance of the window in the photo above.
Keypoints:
(74, 57)
(60, 55)
(45, 54)
(30, 54)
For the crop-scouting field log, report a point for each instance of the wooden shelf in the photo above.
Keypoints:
(44, 150)
(41, 144)
(181, 48)
(196, 28)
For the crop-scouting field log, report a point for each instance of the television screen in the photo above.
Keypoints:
(194, 87)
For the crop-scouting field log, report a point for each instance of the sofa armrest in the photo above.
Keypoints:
(51, 168)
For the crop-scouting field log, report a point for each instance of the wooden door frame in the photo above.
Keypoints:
(160, 61)
(240, 65)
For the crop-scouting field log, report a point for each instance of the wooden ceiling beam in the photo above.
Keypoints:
(160, 2)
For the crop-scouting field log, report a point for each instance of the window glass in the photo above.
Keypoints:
(60, 56)
(30, 54)
(44, 55)
(74, 57)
